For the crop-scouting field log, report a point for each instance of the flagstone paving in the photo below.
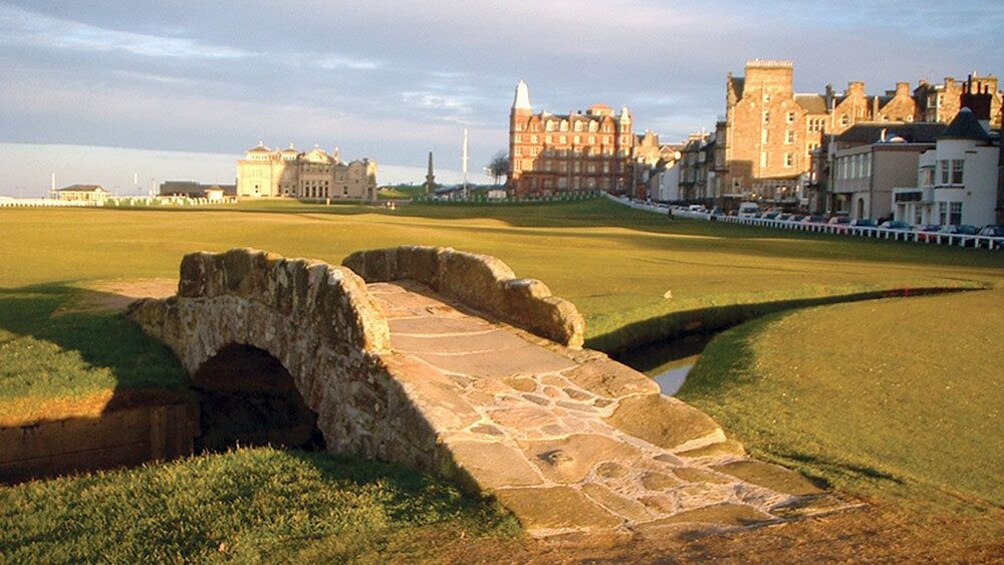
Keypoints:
(570, 440)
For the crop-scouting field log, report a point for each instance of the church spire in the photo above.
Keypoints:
(522, 100)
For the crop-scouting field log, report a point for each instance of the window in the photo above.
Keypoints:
(955, 215)
(578, 126)
(550, 126)
(519, 151)
(790, 118)
(592, 139)
(766, 116)
(957, 167)
(564, 126)
(789, 137)
(533, 151)
(765, 136)
(564, 139)
(927, 177)
(577, 139)
(533, 139)
(547, 138)
(763, 159)
(943, 167)
(517, 138)
(844, 120)
(942, 212)
(789, 160)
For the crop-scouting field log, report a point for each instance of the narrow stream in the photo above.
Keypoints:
(668, 363)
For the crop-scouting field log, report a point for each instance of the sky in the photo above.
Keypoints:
(114, 92)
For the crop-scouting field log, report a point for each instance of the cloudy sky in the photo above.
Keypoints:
(99, 91)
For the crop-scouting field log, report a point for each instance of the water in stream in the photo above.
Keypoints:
(667, 363)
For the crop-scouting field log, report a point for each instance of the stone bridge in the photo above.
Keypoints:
(446, 362)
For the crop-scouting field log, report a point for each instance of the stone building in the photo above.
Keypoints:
(770, 132)
(312, 175)
(575, 152)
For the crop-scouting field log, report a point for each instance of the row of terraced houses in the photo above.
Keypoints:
(775, 146)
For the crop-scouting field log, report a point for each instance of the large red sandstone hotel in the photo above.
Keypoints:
(580, 152)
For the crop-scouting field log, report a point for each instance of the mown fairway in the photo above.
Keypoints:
(854, 394)
(901, 397)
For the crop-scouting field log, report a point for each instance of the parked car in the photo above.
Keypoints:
(771, 215)
(896, 225)
(863, 223)
(813, 220)
(928, 232)
(960, 230)
(839, 221)
(783, 217)
(795, 218)
(993, 231)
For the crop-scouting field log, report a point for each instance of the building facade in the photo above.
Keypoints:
(956, 182)
(770, 132)
(192, 189)
(312, 175)
(575, 152)
(83, 193)
(870, 159)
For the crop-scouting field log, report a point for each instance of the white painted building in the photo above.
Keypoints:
(664, 186)
(957, 180)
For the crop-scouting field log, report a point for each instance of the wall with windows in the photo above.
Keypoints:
(957, 184)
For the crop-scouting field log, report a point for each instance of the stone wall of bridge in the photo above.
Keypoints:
(402, 366)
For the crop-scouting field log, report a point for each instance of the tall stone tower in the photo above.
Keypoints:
(430, 177)
(519, 117)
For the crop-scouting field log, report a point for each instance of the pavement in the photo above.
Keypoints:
(570, 440)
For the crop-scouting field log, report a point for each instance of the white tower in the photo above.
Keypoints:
(464, 165)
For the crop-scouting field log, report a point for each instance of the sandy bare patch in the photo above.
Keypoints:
(116, 295)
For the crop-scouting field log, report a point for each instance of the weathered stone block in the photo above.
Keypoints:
(665, 422)
(419, 264)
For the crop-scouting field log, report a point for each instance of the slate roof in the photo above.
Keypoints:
(966, 126)
(812, 103)
(915, 132)
(739, 83)
(83, 188)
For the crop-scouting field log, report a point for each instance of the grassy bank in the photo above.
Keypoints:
(258, 505)
(896, 399)
(57, 363)
(637, 277)
(634, 275)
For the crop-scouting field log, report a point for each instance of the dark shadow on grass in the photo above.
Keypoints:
(103, 337)
(676, 325)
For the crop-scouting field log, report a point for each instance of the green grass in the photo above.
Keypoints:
(899, 399)
(616, 264)
(48, 356)
(251, 505)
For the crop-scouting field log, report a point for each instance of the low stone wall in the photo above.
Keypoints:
(479, 281)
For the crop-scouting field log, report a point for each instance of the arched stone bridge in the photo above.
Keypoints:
(448, 363)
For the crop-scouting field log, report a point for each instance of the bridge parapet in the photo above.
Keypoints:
(479, 281)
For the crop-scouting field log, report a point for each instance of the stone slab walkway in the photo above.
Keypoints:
(570, 440)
